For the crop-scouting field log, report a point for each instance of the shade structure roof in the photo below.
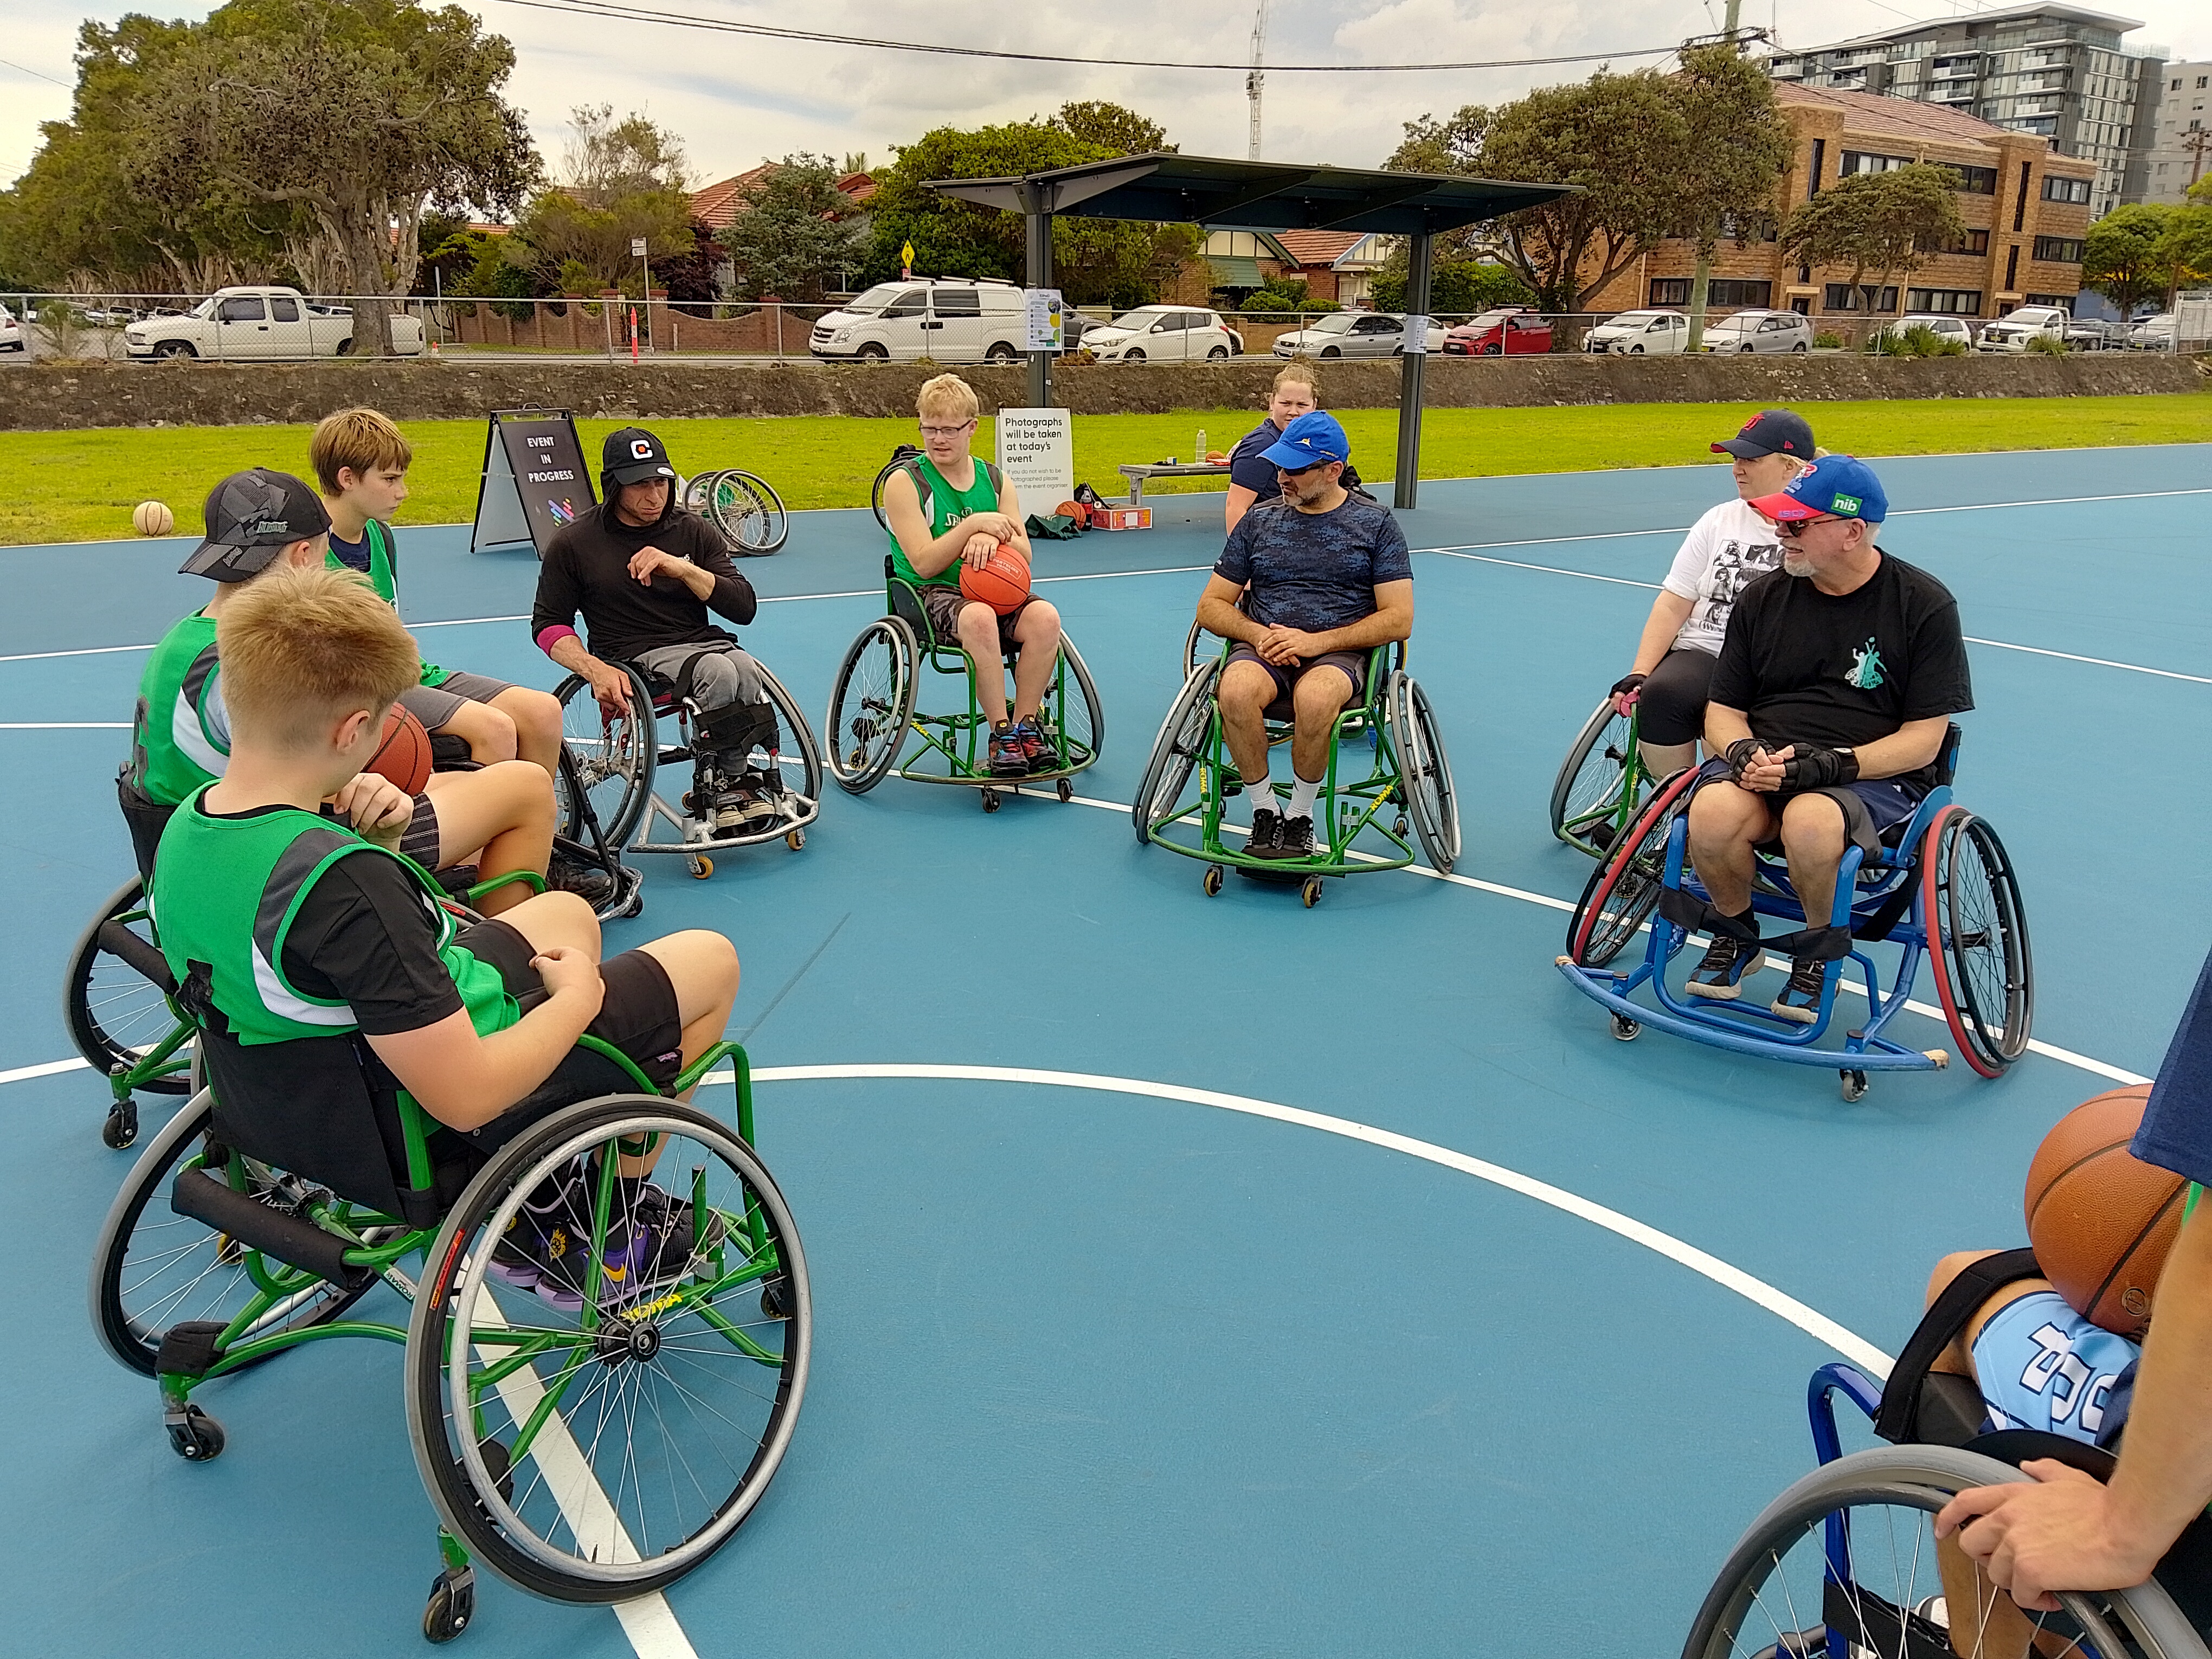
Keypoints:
(1222, 193)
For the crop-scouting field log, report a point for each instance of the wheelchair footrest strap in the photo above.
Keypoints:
(189, 1349)
(1819, 944)
(286, 1237)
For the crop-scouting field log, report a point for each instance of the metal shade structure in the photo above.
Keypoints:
(1218, 193)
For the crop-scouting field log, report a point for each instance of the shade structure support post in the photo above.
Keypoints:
(1036, 208)
(1411, 365)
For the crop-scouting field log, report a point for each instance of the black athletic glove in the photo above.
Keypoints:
(1739, 754)
(1812, 768)
(1625, 691)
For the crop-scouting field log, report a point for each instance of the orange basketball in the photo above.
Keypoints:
(403, 757)
(2100, 1219)
(1077, 511)
(1001, 581)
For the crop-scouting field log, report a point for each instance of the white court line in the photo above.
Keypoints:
(64, 725)
(1817, 1325)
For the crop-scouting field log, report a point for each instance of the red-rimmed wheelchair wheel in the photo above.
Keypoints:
(1977, 927)
(1624, 890)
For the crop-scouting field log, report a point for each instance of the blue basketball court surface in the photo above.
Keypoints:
(1192, 1276)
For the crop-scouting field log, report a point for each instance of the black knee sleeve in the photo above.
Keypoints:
(735, 728)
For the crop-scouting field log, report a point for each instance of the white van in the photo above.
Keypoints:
(949, 319)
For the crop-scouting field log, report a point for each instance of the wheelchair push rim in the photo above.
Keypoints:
(871, 705)
(117, 1015)
(602, 1451)
(1600, 766)
(1843, 1562)
(1177, 750)
(614, 759)
(1977, 929)
(1425, 780)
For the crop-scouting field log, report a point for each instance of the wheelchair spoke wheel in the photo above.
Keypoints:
(1977, 927)
(154, 1268)
(1844, 1563)
(1624, 890)
(900, 457)
(807, 781)
(746, 509)
(596, 1422)
(871, 706)
(115, 996)
(1424, 773)
(1586, 796)
(1176, 751)
(1074, 720)
(612, 759)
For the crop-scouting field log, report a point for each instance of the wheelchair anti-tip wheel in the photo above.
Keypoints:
(1425, 780)
(614, 759)
(601, 1452)
(1977, 927)
(871, 705)
(1586, 793)
(1176, 750)
(1622, 892)
(154, 1268)
(1843, 1564)
(114, 995)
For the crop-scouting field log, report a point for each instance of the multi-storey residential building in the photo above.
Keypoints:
(2179, 150)
(2056, 71)
(2025, 210)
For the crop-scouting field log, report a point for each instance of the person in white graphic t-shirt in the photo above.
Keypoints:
(1723, 551)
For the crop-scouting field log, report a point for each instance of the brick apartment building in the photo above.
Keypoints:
(2026, 207)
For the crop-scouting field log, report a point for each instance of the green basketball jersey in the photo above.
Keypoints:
(178, 742)
(207, 868)
(945, 506)
(384, 577)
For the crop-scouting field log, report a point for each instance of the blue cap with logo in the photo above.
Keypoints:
(1840, 486)
(1307, 442)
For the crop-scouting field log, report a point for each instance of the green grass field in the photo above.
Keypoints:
(81, 486)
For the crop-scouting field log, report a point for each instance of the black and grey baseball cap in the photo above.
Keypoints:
(1770, 432)
(252, 517)
(632, 456)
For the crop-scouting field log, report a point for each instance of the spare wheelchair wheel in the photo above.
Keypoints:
(900, 457)
(1843, 1564)
(614, 759)
(1970, 904)
(154, 1268)
(1622, 892)
(871, 705)
(1425, 777)
(746, 508)
(599, 1453)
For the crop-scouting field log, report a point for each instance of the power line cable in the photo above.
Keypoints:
(610, 8)
(28, 69)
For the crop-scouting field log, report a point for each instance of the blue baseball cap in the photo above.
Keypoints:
(1843, 486)
(1308, 441)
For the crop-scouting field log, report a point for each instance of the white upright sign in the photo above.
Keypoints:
(1417, 336)
(1036, 451)
(1043, 308)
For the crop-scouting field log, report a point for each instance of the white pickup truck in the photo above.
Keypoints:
(247, 325)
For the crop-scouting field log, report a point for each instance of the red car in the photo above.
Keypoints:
(1495, 334)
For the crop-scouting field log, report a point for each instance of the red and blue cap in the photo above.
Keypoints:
(1308, 442)
(1838, 486)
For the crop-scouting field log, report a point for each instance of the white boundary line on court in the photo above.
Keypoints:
(1813, 1323)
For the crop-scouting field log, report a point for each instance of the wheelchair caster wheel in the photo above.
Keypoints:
(122, 1126)
(1065, 790)
(795, 839)
(193, 1435)
(1310, 891)
(702, 868)
(1211, 882)
(1855, 1085)
(991, 800)
(453, 1604)
(775, 1303)
(1400, 825)
(1626, 1030)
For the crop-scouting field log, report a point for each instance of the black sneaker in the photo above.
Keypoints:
(586, 881)
(1801, 999)
(1295, 840)
(1727, 959)
(1265, 827)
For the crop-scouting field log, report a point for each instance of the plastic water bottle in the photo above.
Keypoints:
(1199, 455)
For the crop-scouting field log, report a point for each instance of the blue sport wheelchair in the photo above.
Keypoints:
(1941, 886)
(1844, 1563)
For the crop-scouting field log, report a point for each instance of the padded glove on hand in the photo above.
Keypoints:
(1739, 754)
(1625, 692)
(1819, 769)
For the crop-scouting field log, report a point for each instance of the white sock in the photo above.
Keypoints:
(1303, 792)
(1261, 789)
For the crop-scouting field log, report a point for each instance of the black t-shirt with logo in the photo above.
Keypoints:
(1842, 670)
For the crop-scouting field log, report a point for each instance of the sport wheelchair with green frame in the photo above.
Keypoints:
(873, 713)
(592, 1444)
(1407, 776)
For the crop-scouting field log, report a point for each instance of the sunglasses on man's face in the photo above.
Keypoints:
(1791, 529)
(1300, 472)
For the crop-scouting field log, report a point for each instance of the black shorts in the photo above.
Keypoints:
(1876, 811)
(943, 606)
(638, 1016)
(1352, 664)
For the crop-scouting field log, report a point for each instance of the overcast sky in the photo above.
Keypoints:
(736, 99)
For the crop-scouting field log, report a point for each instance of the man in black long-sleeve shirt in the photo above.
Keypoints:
(645, 573)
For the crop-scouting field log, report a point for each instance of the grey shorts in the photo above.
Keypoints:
(725, 676)
(943, 606)
(434, 705)
(1352, 664)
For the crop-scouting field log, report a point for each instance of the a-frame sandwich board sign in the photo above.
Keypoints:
(534, 479)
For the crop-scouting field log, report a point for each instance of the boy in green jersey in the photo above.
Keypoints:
(951, 509)
(360, 460)
(283, 922)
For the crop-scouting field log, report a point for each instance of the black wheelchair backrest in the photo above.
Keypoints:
(1947, 758)
(905, 602)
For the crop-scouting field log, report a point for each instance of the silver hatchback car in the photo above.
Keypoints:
(1759, 331)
